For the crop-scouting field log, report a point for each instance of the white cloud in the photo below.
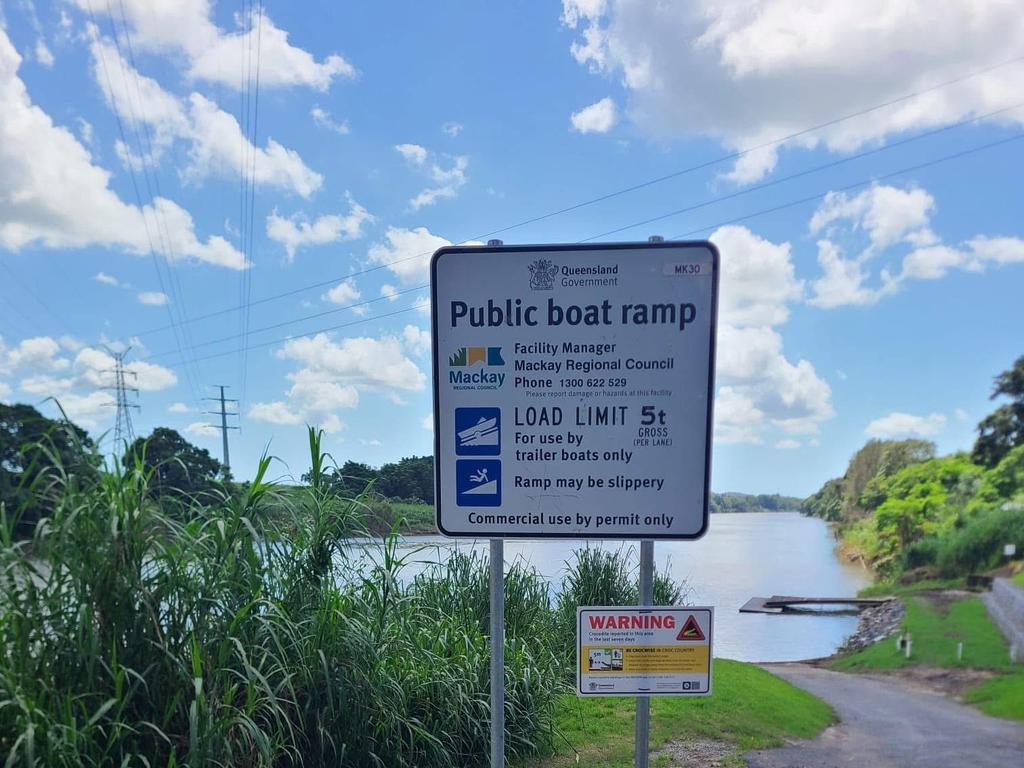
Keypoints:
(178, 408)
(86, 131)
(88, 410)
(427, 422)
(903, 425)
(38, 354)
(323, 119)
(152, 298)
(452, 129)
(186, 27)
(448, 180)
(217, 145)
(407, 252)
(297, 231)
(364, 362)
(888, 221)
(730, 70)
(416, 340)
(103, 277)
(759, 386)
(758, 279)
(344, 292)
(332, 374)
(94, 367)
(599, 117)
(276, 412)
(842, 280)
(961, 415)
(43, 54)
(787, 444)
(389, 292)
(888, 214)
(202, 429)
(414, 153)
(55, 196)
(46, 386)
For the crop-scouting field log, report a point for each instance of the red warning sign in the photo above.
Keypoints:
(691, 630)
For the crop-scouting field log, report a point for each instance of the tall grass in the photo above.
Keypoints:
(135, 634)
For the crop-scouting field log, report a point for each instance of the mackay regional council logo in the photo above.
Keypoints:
(470, 368)
(542, 275)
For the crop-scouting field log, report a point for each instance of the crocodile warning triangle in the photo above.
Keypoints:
(691, 630)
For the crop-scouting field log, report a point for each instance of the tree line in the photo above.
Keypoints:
(906, 510)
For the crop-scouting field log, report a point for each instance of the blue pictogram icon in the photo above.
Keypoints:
(477, 431)
(478, 483)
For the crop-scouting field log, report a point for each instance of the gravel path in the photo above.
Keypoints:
(887, 723)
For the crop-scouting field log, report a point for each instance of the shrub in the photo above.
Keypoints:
(978, 545)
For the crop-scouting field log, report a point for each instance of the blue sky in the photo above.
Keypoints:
(880, 305)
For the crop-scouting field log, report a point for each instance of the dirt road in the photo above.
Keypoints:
(887, 723)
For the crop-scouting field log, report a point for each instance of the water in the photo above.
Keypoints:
(742, 556)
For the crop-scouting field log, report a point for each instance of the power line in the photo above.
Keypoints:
(138, 195)
(283, 323)
(625, 190)
(806, 172)
(773, 209)
(632, 225)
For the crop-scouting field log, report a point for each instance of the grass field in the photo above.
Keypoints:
(937, 626)
(749, 709)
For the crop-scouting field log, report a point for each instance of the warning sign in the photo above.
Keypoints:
(690, 630)
(643, 651)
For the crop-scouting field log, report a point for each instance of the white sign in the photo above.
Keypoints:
(1009, 550)
(643, 651)
(572, 389)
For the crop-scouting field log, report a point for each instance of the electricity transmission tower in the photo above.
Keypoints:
(224, 413)
(123, 430)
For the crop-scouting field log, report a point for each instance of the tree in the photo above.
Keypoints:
(1003, 429)
(33, 451)
(179, 468)
(410, 478)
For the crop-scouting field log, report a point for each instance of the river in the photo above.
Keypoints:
(742, 556)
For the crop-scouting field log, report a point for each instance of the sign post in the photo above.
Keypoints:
(572, 400)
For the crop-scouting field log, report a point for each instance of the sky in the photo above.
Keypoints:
(247, 194)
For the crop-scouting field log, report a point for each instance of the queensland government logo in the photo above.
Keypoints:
(542, 275)
(470, 368)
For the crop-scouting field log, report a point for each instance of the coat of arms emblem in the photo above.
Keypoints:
(542, 275)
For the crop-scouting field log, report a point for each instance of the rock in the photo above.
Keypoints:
(876, 624)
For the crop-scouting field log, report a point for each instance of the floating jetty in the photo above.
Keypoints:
(785, 603)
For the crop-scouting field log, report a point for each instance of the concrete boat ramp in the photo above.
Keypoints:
(786, 603)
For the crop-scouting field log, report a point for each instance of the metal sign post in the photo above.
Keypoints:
(497, 653)
(643, 703)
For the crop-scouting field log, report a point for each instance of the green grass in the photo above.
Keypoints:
(1000, 697)
(935, 634)
(935, 637)
(419, 518)
(883, 588)
(749, 708)
(1019, 579)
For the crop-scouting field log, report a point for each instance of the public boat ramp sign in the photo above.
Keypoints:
(627, 651)
(572, 389)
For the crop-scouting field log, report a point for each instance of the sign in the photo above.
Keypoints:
(1009, 550)
(643, 651)
(572, 389)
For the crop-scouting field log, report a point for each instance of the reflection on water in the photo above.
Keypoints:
(742, 556)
